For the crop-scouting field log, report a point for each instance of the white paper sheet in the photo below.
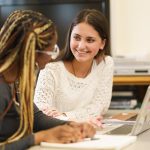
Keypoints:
(105, 142)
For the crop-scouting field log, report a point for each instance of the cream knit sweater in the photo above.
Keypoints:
(79, 98)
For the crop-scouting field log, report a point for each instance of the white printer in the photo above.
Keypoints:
(131, 66)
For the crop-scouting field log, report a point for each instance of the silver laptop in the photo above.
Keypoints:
(141, 124)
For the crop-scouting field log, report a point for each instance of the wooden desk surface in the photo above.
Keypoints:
(131, 80)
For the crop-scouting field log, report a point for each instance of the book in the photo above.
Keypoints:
(99, 142)
(123, 104)
(124, 99)
(123, 93)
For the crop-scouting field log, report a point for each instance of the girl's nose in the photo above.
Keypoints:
(82, 45)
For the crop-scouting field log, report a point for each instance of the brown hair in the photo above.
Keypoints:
(98, 21)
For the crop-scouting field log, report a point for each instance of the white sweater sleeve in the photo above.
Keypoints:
(102, 96)
(44, 91)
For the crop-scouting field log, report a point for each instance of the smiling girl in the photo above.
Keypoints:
(82, 80)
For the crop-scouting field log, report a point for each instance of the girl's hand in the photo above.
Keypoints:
(96, 121)
(68, 133)
(87, 130)
(51, 112)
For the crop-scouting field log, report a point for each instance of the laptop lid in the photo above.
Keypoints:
(141, 124)
(143, 119)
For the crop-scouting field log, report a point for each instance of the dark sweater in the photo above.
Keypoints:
(10, 123)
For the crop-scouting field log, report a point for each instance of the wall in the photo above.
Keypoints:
(130, 28)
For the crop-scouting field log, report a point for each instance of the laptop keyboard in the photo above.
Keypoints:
(117, 129)
(124, 129)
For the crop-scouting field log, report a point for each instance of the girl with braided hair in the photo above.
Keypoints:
(27, 41)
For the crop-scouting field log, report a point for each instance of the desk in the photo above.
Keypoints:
(131, 80)
(140, 144)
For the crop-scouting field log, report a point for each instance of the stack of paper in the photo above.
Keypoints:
(99, 142)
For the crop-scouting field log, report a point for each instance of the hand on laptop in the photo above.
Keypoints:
(96, 121)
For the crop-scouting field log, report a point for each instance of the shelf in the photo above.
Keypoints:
(131, 80)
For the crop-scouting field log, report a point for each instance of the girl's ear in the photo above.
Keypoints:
(102, 44)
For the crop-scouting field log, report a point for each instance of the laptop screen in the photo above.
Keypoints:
(143, 118)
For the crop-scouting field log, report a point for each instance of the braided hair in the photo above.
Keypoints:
(23, 32)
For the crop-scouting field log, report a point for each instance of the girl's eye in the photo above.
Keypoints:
(89, 40)
(77, 38)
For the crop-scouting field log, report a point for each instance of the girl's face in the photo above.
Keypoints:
(85, 42)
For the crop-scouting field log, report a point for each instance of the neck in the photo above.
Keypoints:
(81, 69)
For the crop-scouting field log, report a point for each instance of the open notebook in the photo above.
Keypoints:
(141, 124)
(99, 142)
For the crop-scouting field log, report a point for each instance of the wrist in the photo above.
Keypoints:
(39, 137)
